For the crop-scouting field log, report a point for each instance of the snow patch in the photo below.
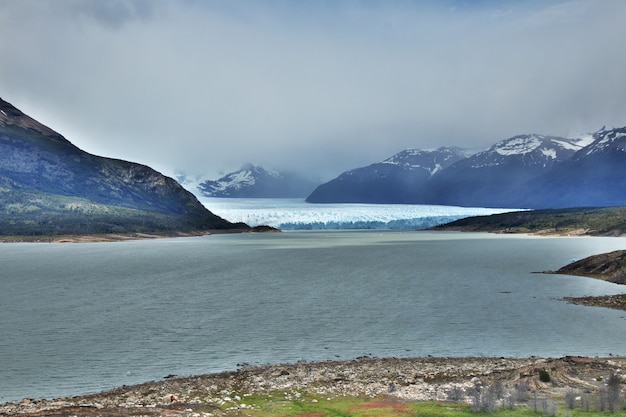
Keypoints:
(604, 139)
(586, 140)
(4, 113)
(238, 180)
(548, 153)
(569, 145)
(436, 169)
(608, 138)
(518, 146)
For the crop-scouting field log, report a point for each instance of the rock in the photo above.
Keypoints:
(365, 378)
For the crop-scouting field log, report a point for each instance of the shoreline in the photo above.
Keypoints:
(122, 237)
(91, 238)
(616, 302)
(403, 379)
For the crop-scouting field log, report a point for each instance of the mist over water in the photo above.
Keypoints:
(80, 318)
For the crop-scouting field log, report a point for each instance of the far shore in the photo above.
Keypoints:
(121, 237)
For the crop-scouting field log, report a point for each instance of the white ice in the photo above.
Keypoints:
(297, 214)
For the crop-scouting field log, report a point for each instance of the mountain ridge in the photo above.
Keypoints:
(393, 180)
(525, 171)
(50, 186)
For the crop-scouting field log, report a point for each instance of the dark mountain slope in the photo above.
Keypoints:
(395, 180)
(594, 176)
(45, 179)
(498, 176)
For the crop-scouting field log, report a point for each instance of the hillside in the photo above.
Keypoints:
(603, 221)
(606, 266)
(48, 186)
(397, 179)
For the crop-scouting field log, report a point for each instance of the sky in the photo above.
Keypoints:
(314, 86)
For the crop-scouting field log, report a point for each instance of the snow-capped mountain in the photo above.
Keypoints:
(593, 176)
(253, 181)
(606, 140)
(393, 180)
(528, 150)
(498, 176)
(525, 171)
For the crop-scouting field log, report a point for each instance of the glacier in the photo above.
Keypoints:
(296, 214)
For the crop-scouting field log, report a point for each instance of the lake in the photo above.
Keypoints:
(79, 318)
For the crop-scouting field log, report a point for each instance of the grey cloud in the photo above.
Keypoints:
(113, 13)
(207, 86)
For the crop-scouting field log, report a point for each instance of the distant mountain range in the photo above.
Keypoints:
(253, 181)
(394, 180)
(48, 186)
(527, 171)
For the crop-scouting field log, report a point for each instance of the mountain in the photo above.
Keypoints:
(253, 181)
(498, 176)
(528, 171)
(593, 176)
(49, 186)
(395, 180)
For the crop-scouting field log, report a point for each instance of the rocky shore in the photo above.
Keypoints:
(414, 379)
(609, 267)
(617, 302)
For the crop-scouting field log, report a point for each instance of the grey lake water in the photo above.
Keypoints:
(79, 318)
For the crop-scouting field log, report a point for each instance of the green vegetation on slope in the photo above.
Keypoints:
(604, 221)
(388, 407)
(49, 187)
(32, 213)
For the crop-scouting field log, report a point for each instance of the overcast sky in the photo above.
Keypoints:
(322, 86)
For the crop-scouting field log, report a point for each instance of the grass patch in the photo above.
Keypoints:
(296, 404)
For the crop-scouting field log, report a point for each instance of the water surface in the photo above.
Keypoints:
(79, 318)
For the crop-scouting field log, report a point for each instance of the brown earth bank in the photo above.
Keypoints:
(609, 267)
(410, 379)
(119, 237)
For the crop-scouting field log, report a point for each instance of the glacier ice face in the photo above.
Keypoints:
(295, 214)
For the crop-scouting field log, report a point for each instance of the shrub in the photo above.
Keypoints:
(456, 394)
(522, 391)
(544, 375)
(570, 399)
(613, 389)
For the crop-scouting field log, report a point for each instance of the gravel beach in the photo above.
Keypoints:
(412, 379)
